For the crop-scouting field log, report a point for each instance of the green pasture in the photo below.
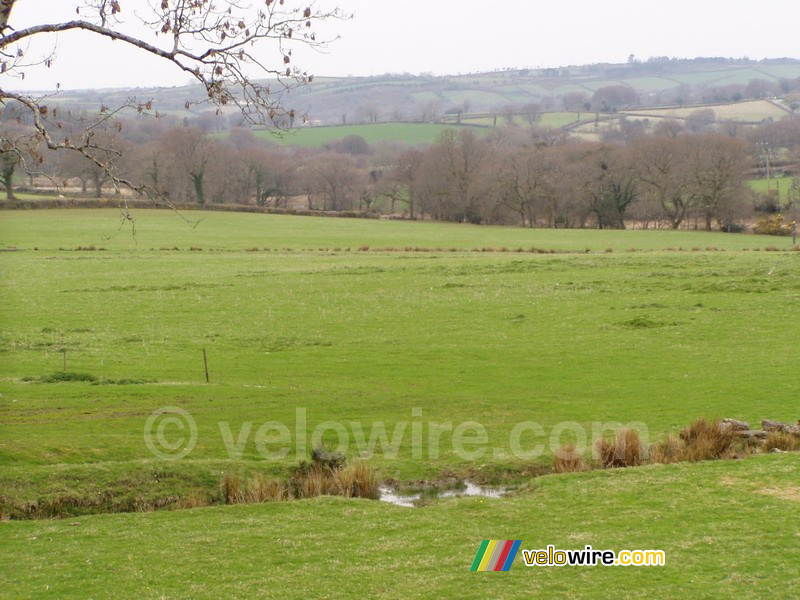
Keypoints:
(68, 229)
(314, 137)
(548, 119)
(363, 321)
(728, 530)
(395, 326)
(779, 185)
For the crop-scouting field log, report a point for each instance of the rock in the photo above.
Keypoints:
(736, 425)
(759, 435)
(781, 427)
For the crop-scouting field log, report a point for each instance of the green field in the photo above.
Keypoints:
(781, 185)
(751, 111)
(729, 530)
(407, 133)
(365, 322)
(548, 119)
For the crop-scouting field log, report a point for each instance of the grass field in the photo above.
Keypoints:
(371, 336)
(781, 184)
(549, 119)
(752, 110)
(408, 133)
(728, 530)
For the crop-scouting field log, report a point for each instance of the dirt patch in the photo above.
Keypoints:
(791, 493)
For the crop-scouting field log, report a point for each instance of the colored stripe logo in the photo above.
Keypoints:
(495, 555)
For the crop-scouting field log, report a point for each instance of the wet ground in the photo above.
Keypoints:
(417, 498)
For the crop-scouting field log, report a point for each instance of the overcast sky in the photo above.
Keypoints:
(455, 36)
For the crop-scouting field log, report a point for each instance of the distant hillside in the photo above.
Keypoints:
(420, 98)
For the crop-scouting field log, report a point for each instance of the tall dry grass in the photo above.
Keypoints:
(567, 460)
(707, 440)
(309, 480)
(356, 480)
(670, 450)
(779, 440)
(626, 450)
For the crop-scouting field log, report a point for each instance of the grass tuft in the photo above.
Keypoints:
(567, 460)
(670, 450)
(62, 376)
(626, 450)
(707, 440)
(779, 440)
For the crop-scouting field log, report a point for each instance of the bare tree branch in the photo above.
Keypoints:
(215, 41)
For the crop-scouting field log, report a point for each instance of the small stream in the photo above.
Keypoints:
(412, 499)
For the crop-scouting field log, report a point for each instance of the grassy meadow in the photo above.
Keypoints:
(362, 322)
(777, 185)
(750, 110)
(408, 133)
(729, 529)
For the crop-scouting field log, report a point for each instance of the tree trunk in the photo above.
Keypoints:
(9, 190)
(197, 180)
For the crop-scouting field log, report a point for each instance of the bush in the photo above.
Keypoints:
(772, 225)
(60, 376)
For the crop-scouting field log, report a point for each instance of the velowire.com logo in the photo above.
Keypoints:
(495, 555)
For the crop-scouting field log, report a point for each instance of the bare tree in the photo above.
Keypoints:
(214, 41)
(509, 112)
(608, 184)
(661, 164)
(406, 169)
(9, 157)
(87, 166)
(524, 181)
(717, 168)
(532, 112)
(452, 177)
(189, 153)
(336, 178)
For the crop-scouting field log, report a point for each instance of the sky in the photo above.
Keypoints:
(446, 37)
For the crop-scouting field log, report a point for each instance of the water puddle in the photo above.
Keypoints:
(415, 499)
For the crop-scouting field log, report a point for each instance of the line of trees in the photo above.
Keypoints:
(529, 176)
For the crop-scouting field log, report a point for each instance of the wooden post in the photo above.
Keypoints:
(205, 363)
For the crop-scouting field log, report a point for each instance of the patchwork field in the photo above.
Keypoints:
(752, 111)
(364, 322)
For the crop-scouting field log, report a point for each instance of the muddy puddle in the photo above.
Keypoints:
(412, 499)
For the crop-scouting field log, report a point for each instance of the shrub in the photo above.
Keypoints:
(327, 459)
(772, 225)
(60, 376)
